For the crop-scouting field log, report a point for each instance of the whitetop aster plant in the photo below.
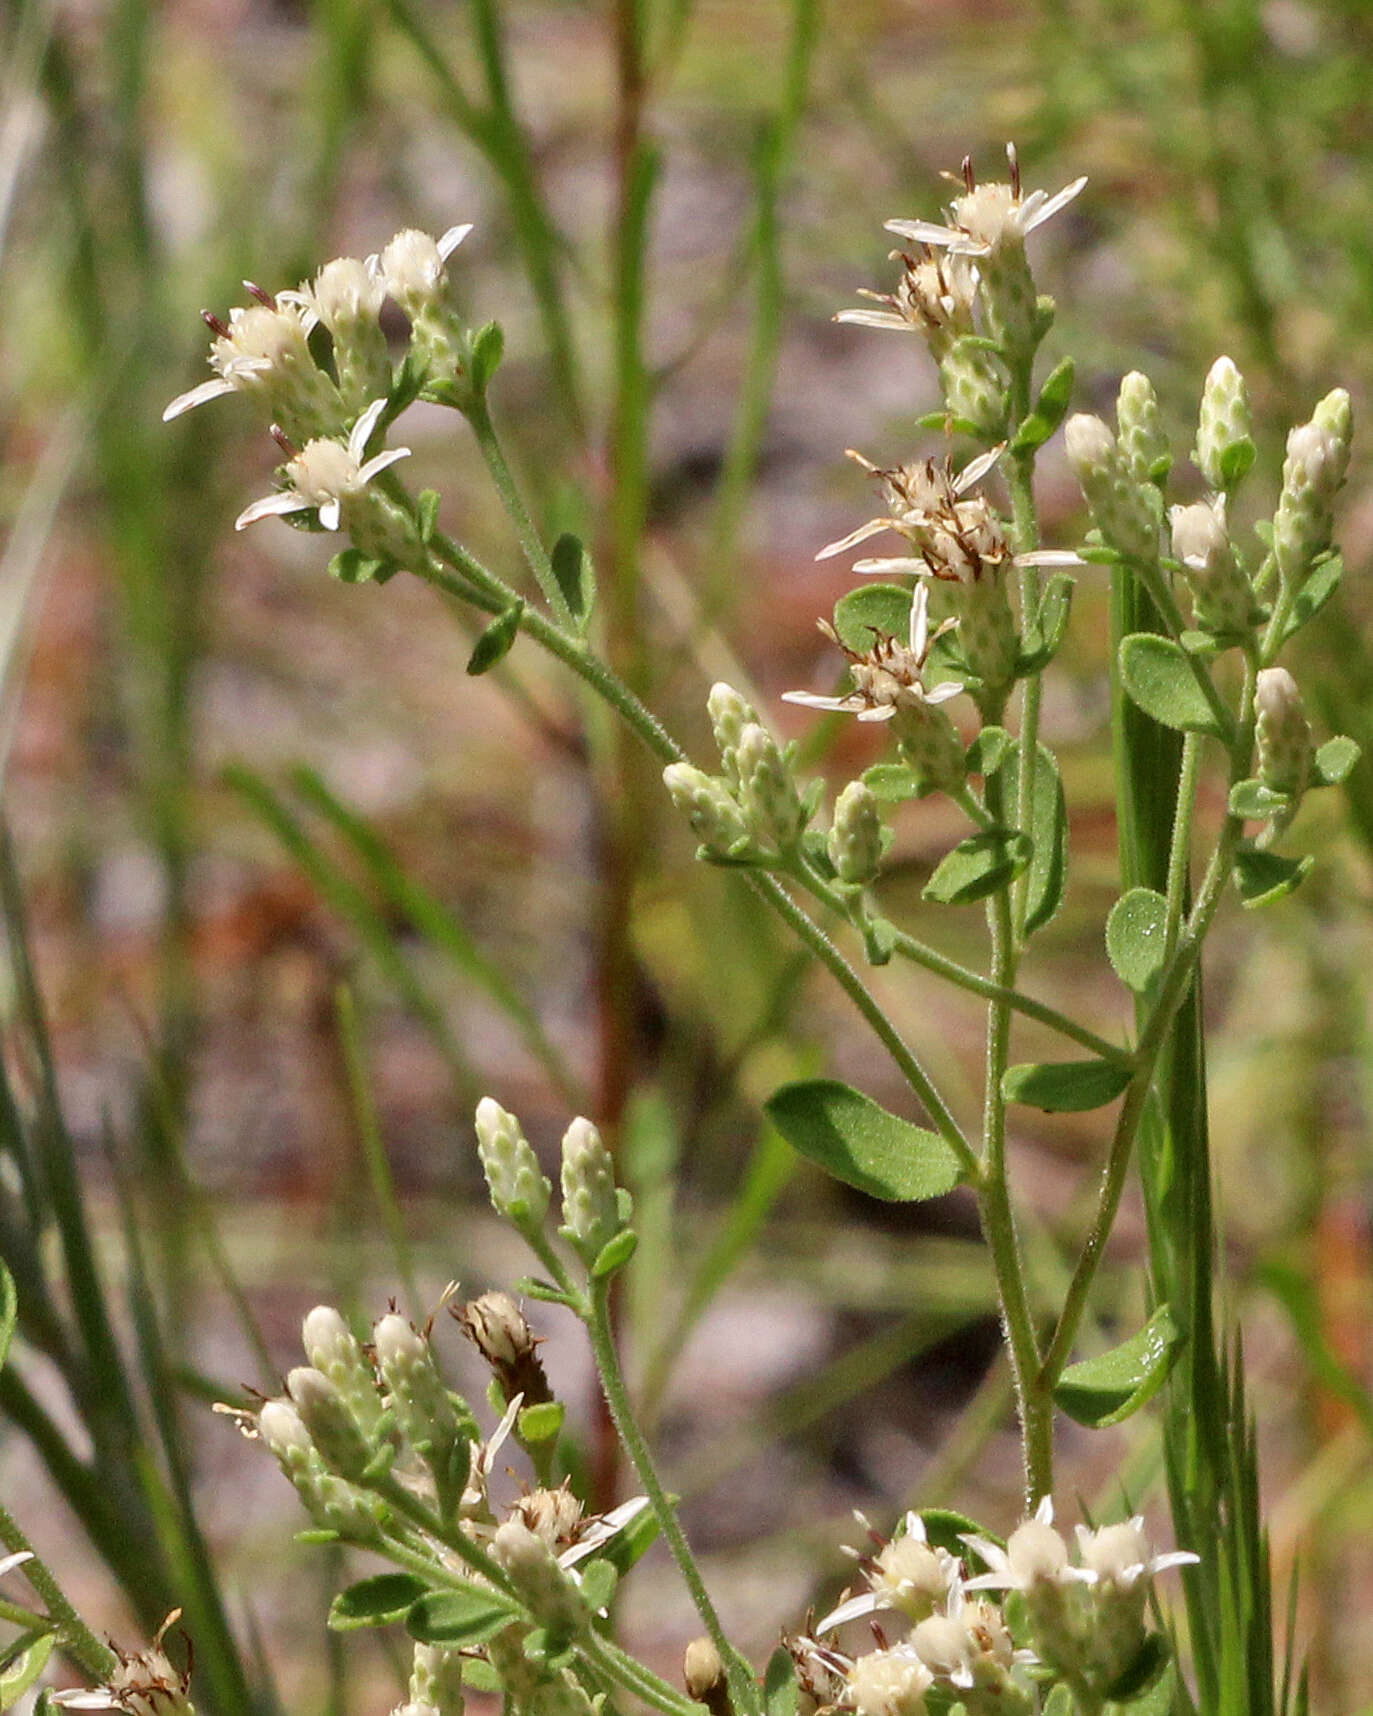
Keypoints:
(890, 677)
(326, 475)
(988, 218)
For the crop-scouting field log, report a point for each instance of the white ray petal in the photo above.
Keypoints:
(874, 527)
(197, 396)
(850, 1610)
(453, 238)
(1059, 200)
(271, 506)
(330, 513)
(875, 319)
(942, 693)
(380, 461)
(363, 429)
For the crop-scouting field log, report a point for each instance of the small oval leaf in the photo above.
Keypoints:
(1151, 1659)
(987, 751)
(781, 1692)
(1104, 1390)
(1048, 830)
(1255, 802)
(495, 642)
(488, 348)
(892, 783)
(614, 1254)
(873, 610)
(1320, 586)
(849, 1136)
(1065, 1087)
(1136, 936)
(1335, 759)
(978, 866)
(576, 577)
(375, 1602)
(1158, 678)
(458, 1617)
(1266, 877)
(541, 1423)
(22, 1670)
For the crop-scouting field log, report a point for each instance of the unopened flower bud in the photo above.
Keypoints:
(709, 806)
(855, 839)
(1222, 599)
(1123, 509)
(1282, 732)
(929, 744)
(591, 1215)
(413, 268)
(770, 799)
(1312, 474)
(889, 1683)
(703, 1675)
(436, 1679)
(729, 715)
(1225, 427)
(334, 1431)
(497, 1327)
(972, 1652)
(347, 296)
(518, 1190)
(332, 1503)
(975, 389)
(551, 1596)
(332, 1348)
(423, 1411)
(1143, 443)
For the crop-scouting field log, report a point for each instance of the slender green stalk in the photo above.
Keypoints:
(1180, 852)
(742, 1685)
(620, 1666)
(74, 1637)
(531, 543)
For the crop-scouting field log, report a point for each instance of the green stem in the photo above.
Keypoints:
(616, 1664)
(531, 543)
(411, 1508)
(75, 1638)
(1026, 527)
(743, 1687)
(1180, 852)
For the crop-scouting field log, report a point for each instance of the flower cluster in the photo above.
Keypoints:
(1079, 1624)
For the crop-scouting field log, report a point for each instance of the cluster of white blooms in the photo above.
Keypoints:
(1083, 1623)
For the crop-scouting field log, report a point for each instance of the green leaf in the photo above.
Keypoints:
(849, 1136)
(1255, 801)
(879, 940)
(1049, 410)
(1065, 1087)
(948, 424)
(614, 1254)
(1335, 758)
(1321, 584)
(892, 783)
(1136, 933)
(1104, 1390)
(458, 1617)
(631, 1541)
(1060, 1702)
(1157, 677)
(375, 1602)
(1143, 1673)
(781, 1694)
(599, 1579)
(478, 1674)
(9, 1311)
(488, 348)
(871, 609)
(987, 752)
(352, 566)
(1236, 462)
(576, 578)
(541, 1423)
(1264, 877)
(1048, 831)
(21, 1671)
(978, 866)
(495, 642)
(1045, 633)
(945, 1529)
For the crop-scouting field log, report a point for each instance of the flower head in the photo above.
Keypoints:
(933, 297)
(908, 1574)
(889, 677)
(921, 497)
(327, 475)
(143, 1683)
(412, 267)
(989, 218)
(263, 351)
(1118, 1555)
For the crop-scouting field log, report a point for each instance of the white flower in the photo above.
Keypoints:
(261, 350)
(412, 266)
(326, 474)
(934, 297)
(907, 1574)
(1119, 1555)
(1034, 1554)
(917, 495)
(988, 218)
(143, 1683)
(888, 1683)
(890, 677)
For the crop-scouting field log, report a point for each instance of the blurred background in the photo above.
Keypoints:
(298, 890)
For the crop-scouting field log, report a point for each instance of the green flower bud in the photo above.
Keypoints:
(1222, 599)
(436, 1679)
(1225, 424)
(332, 1349)
(518, 1189)
(1143, 443)
(347, 296)
(591, 1214)
(532, 1567)
(1312, 474)
(771, 802)
(729, 715)
(423, 1411)
(975, 389)
(331, 1503)
(1124, 510)
(855, 839)
(929, 743)
(709, 807)
(331, 1426)
(1282, 732)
